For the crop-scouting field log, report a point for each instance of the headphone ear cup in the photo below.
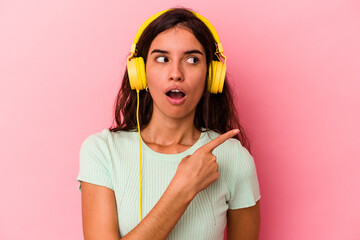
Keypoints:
(140, 66)
(218, 69)
(213, 88)
(136, 72)
(210, 76)
(222, 77)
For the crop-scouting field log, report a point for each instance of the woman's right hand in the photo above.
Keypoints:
(197, 171)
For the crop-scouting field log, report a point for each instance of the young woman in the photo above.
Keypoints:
(197, 175)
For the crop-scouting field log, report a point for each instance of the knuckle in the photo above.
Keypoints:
(202, 154)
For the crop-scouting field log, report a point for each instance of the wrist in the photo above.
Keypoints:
(181, 190)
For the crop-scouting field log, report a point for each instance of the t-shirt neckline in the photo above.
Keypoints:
(173, 156)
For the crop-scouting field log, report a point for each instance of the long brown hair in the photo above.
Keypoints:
(215, 112)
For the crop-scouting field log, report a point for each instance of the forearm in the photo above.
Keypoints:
(160, 221)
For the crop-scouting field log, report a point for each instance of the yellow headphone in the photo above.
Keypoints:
(136, 65)
(137, 75)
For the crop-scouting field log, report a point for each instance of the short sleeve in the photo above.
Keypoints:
(244, 185)
(94, 162)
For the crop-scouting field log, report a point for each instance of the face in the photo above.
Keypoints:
(176, 73)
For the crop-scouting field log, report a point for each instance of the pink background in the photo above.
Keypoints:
(295, 69)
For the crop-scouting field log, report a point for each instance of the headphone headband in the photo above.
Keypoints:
(155, 16)
(216, 68)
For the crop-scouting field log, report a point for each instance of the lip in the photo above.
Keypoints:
(173, 100)
(175, 87)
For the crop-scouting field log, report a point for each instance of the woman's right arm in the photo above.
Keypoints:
(100, 214)
(194, 173)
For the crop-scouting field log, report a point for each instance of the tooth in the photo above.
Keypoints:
(175, 90)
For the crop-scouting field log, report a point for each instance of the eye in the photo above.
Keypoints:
(161, 59)
(192, 60)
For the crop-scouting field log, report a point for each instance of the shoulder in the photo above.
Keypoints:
(106, 145)
(232, 156)
(107, 138)
(237, 173)
(230, 146)
(102, 149)
(96, 159)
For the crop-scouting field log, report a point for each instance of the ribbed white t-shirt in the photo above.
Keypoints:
(111, 159)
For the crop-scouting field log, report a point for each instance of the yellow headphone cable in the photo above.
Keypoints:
(138, 125)
(137, 75)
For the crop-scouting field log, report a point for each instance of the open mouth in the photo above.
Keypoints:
(175, 94)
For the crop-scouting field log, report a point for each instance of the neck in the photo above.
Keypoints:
(166, 131)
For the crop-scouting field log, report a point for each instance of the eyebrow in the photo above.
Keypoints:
(166, 52)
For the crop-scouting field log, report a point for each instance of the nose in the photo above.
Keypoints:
(176, 72)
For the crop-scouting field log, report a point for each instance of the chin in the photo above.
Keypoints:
(178, 112)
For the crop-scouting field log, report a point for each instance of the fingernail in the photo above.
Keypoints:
(236, 131)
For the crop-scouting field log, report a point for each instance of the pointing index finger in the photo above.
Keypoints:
(219, 140)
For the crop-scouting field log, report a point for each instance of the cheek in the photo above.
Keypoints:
(198, 87)
(156, 84)
(153, 77)
(201, 80)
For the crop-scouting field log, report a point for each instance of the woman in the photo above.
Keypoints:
(196, 177)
